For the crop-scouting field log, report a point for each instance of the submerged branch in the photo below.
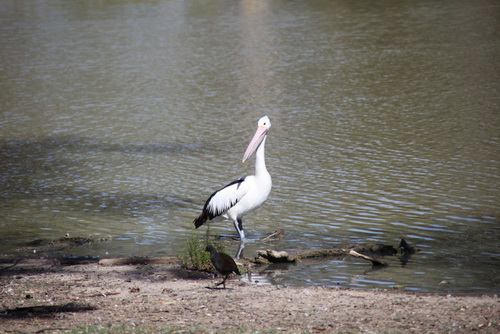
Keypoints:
(369, 252)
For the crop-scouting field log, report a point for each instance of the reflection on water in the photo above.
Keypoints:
(121, 118)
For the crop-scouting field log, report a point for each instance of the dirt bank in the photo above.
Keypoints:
(40, 295)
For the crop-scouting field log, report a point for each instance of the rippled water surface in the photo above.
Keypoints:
(120, 118)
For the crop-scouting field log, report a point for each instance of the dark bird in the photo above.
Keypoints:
(241, 197)
(224, 264)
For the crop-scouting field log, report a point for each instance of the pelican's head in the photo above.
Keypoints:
(262, 127)
(264, 122)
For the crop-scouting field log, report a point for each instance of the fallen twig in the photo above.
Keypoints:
(276, 235)
(8, 267)
(139, 261)
(375, 262)
(104, 294)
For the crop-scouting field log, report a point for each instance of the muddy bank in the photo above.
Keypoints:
(41, 295)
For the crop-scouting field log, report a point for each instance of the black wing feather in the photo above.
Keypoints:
(208, 213)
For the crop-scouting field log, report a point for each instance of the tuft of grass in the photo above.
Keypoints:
(194, 256)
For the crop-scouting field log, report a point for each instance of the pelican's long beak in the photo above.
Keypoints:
(257, 139)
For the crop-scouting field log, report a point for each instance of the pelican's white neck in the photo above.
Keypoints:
(260, 161)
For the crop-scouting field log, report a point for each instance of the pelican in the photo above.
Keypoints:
(242, 196)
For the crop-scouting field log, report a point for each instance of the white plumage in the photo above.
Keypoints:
(241, 197)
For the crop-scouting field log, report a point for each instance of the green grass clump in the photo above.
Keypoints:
(194, 257)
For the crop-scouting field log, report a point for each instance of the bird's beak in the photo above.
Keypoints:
(257, 139)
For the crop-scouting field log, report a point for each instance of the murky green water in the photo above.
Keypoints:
(121, 117)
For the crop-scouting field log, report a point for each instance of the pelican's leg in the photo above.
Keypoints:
(240, 250)
(238, 225)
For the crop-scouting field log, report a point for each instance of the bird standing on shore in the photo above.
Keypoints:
(223, 263)
(240, 197)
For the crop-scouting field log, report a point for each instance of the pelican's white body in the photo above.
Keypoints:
(248, 195)
(241, 197)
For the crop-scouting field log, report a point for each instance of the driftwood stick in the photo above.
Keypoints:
(138, 261)
(8, 267)
(274, 256)
(375, 262)
(276, 235)
(321, 252)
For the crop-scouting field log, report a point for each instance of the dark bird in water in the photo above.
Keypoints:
(224, 264)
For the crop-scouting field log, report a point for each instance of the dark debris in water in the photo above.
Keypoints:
(40, 245)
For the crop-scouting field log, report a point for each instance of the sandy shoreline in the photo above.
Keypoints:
(40, 295)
